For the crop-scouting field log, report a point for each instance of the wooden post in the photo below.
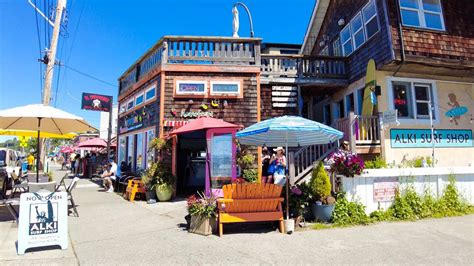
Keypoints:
(352, 137)
(381, 133)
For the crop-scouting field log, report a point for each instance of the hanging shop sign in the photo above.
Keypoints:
(43, 220)
(421, 138)
(390, 117)
(96, 102)
(195, 114)
(136, 119)
(284, 96)
(385, 188)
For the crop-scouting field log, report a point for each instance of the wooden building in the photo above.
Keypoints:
(423, 52)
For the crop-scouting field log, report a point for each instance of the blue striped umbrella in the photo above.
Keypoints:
(291, 131)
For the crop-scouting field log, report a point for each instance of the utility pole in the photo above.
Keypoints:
(52, 52)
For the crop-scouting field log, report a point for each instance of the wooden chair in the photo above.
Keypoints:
(134, 186)
(250, 203)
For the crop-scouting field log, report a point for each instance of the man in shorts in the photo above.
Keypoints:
(109, 175)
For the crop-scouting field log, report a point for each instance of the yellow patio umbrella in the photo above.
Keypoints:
(34, 134)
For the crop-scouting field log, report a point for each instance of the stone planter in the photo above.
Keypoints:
(164, 192)
(203, 225)
(322, 213)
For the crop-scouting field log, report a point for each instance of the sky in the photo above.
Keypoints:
(102, 38)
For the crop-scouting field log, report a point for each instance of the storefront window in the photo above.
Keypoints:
(191, 88)
(412, 99)
(221, 160)
(360, 98)
(122, 149)
(150, 154)
(140, 152)
(130, 151)
(349, 103)
(225, 88)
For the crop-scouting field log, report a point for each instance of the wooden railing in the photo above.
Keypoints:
(302, 161)
(193, 50)
(359, 130)
(302, 66)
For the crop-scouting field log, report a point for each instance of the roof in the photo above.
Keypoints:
(203, 123)
(281, 45)
(314, 26)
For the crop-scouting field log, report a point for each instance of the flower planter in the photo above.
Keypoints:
(322, 213)
(203, 225)
(164, 192)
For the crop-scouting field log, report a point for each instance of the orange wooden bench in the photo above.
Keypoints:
(134, 186)
(250, 203)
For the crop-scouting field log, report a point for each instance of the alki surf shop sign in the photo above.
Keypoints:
(421, 138)
(96, 102)
(43, 220)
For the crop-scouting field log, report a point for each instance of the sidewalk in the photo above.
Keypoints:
(111, 230)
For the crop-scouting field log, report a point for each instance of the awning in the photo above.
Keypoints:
(203, 123)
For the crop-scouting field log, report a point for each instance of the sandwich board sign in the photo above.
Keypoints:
(43, 220)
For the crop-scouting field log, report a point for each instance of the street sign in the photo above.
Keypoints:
(390, 117)
(43, 220)
(96, 102)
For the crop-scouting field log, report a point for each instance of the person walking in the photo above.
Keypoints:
(31, 161)
(280, 166)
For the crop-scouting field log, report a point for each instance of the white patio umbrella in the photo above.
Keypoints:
(44, 118)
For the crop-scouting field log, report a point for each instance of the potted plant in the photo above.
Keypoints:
(320, 185)
(345, 163)
(164, 183)
(300, 197)
(148, 178)
(203, 212)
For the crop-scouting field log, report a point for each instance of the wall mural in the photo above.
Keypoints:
(456, 110)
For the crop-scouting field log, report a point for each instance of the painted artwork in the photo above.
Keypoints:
(456, 110)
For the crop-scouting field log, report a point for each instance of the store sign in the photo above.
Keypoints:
(196, 114)
(43, 220)
(421, 138)
(390, 117)
(385, 188)
(96, 102)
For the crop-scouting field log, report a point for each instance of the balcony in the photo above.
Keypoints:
(193, 51)
(362, 132)
(302, 68)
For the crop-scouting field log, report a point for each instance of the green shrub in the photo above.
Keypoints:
(451, 202)
(349, 213)
(250, 175)
(400, 208)
(320, 183)
(376, 163)
(414, 201)
(429, 204)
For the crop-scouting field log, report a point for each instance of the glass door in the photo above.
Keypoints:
(221, 154)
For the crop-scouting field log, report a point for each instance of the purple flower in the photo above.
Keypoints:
(295, 190)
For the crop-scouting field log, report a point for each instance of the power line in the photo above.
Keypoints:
(89, 76)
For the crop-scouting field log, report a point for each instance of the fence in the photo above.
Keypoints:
(378, 184)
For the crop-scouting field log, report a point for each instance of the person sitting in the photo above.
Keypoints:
(109, 175)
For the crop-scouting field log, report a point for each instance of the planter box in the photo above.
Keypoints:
(203, 225)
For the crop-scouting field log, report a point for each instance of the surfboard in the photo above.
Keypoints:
(458, 111)
(369, 100)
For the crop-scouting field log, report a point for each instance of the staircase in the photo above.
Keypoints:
(301, 162)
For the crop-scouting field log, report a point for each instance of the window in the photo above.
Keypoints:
(191, 88)
(422, 13)
(339, 109)
(139, 99)
(324, 51)
(346, 40)
(123, 108)
(336, 47)
(150, 94)
(130, 105)
(357, 31)
(412, 99)
(363, 26)
(370, 19)
(225, 88)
